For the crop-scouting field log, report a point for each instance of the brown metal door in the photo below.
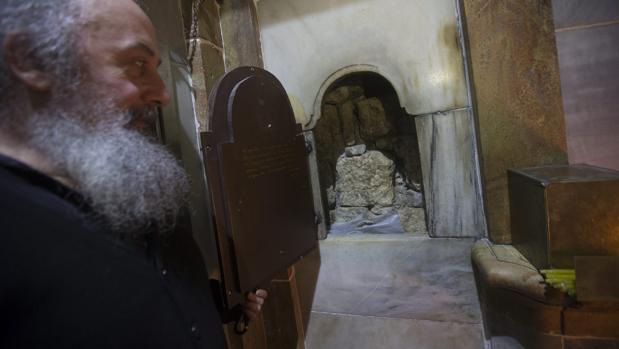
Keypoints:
(257, 168)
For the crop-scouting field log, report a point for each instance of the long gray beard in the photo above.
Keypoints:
(130, 181)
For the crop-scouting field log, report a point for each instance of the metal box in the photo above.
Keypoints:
(559, 212)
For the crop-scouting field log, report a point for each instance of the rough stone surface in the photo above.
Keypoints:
(350, 126)
(372, 118)
(365, 180)
(328, 136)
(343, 94)
(355, 150)
(346, 115)
(385, 143)
(406, 149)
(407, 194)
(380, 210)
(407, 197)
(347, 214)
(518, 97)
(331, 196)
(413, 220)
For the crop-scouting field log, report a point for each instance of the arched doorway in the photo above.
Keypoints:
(368, 157)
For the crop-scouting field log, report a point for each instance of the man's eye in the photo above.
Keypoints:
(136, 68)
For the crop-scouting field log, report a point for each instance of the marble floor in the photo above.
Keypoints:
(389, 291)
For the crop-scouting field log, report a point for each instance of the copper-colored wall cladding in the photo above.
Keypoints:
(517, 96)
(256, 164)
(596, 278)
(559, 212)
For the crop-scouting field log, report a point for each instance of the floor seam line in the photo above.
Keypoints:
(395, 318)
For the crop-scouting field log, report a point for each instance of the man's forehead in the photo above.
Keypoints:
(119, 20)
(112, 14)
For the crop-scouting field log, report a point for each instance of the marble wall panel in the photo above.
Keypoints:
(397, 276)
(450, 174)
(515, 78)
(571, 13)
(414, 44)
(337, 331)
(589, 63)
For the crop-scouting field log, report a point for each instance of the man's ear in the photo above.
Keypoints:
(25, 68)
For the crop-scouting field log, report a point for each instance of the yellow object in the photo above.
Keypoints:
(562, 279)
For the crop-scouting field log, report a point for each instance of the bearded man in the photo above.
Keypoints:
(85, 194)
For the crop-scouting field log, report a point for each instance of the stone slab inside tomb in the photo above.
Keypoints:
(368, 159)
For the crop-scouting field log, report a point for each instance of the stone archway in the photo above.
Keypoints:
(367, 153)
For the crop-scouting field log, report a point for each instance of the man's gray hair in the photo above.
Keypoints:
(50, 29)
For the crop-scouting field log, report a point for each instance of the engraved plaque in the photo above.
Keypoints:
(256, 164)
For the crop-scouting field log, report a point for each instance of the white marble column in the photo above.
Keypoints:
(450, 174)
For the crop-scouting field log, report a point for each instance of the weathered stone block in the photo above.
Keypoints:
(347, 214)
(355, 150)
(372, 118)
(365, 180)
(381, 211)
(328, 137)
(413, 220)
(328, 131)
(407, 194)
(331, 196)
(386, 143)
(343, 94)
(407, 151)
(405, 197)
(350, 126)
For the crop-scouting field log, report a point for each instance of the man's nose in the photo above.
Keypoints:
(156, 91)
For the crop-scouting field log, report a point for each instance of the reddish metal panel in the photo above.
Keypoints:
(256, 164)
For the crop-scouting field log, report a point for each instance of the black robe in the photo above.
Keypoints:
(66, 281)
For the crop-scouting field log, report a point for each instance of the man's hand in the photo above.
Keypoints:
(253, 303)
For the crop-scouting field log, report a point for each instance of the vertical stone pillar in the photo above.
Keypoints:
(208, 61)
(515, 78)
(241, 35)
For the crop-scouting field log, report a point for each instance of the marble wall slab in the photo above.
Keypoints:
(414, 44)
(337, 331)
(571, 13)
(450, 174)
(515, 78)
(398, 276)
(390, 291)
(589, 63)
